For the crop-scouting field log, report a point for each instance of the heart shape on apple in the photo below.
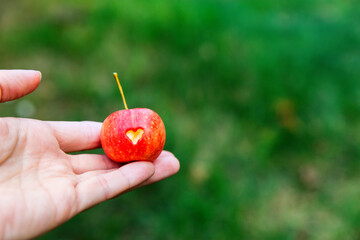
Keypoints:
(135, 136)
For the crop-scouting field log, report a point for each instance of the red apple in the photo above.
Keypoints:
(133, 135)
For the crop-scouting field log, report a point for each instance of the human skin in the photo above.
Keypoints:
(41, 185)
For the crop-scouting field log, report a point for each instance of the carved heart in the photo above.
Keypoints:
(135, 136)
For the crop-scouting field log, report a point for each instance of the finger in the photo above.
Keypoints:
(166, 165)
(77, 136)
(107, 185)
(17, 83)
(83, 163)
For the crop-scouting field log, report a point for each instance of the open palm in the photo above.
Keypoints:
(41, 185)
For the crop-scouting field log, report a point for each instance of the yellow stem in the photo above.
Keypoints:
(120, 88)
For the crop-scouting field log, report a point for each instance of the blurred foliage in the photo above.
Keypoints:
(260, 100)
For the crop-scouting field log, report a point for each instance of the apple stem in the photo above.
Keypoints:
(120, 88)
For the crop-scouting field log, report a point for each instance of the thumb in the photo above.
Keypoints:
(17, 83)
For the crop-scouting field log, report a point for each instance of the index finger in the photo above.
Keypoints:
(77, 136)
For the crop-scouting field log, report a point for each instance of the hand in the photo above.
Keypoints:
(41, 186)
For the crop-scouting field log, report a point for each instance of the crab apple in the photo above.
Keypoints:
(133, 134)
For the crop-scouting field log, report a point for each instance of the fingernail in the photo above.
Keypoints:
(38, 72)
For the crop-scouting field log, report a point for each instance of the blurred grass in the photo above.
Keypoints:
(260, 101)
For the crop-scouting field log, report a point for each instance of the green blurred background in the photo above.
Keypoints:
(260, 99)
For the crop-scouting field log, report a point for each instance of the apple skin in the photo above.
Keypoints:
(120, 148)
